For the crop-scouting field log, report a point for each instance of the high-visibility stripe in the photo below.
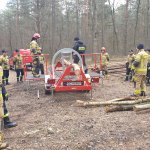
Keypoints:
(6, 115)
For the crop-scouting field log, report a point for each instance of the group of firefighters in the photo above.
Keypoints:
(137, 66)
(37, 65)
(138, 69)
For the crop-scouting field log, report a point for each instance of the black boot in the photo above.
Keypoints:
(21, 79)
(143, 93)
(126, 79)
(3, 82)
(8, 123)
(7, 83)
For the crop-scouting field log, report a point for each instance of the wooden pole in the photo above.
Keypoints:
(141, 107)
(97, 104)
(118, 108)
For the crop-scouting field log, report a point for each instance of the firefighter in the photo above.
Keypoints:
(41, 58)
(18, 61)
(105, 61)
(80, 48)
(129, 62)
(35, 50)
(148, 69)
(3, 145)
(4, 61)
(140, 64)
(7, 122)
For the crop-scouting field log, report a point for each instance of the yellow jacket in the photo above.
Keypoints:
(130, 60)
(18, 60)
(105, 58)
(41, 58)
(142, 57)
(4, 61)
(35, 48)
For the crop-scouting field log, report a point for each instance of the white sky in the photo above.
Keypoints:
(3, 3)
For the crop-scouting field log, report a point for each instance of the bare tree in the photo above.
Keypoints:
(137, 18)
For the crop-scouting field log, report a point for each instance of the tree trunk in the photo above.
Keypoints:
(127, 102)
(115, 36)
(118, 108)
(141, 107)
(53, 25)
(77, 18)
(147, 23)
(126, 28)
(137, 18)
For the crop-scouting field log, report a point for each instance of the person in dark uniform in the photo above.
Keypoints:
(80, 48)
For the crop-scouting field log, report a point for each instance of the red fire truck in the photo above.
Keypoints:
(26, 60)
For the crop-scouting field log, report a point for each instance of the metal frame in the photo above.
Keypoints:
(59, 86)
(26, 78)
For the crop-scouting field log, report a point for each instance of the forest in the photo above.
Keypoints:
(97, 22)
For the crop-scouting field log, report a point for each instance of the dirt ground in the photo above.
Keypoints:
(54, 123)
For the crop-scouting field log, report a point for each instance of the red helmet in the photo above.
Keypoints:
(36, 35)
(103, 49)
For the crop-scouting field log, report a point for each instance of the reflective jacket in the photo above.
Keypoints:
(4, 62)
(79, 47)
(105, 58)
(130, 60)
(41, 58)
(35, 48)
(18, 60)
(142, 58)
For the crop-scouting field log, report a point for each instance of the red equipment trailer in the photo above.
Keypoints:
(27, 59)
(63, 77)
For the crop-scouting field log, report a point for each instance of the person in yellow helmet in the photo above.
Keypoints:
(105, 60)
(35, 50)
(140, 64)
(3, 145)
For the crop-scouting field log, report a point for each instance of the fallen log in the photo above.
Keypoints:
(97, 104)
(141, 107)
(118, 108)
(123, 99)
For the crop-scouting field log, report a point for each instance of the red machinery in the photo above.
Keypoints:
(27, 59)
(28, 76)
(64, 78)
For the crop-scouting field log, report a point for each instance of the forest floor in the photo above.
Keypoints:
(55, 123)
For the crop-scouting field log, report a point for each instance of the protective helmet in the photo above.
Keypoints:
(76, 39)
(130, 51)
(36, 35)
(140, 46)
(103, 49)
(17, 50)
(3, 51)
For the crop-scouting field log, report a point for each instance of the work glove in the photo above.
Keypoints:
(136, 64)
(33, 51)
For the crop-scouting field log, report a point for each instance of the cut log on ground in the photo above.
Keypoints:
(123, 99)
(141, 107)
(97, 104)
(118, 108)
